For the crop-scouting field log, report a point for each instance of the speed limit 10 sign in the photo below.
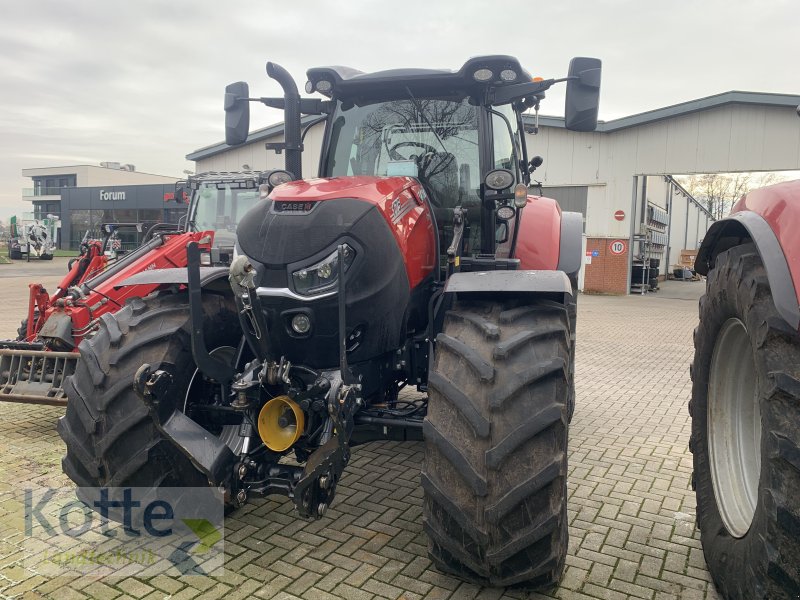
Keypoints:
(618, 247)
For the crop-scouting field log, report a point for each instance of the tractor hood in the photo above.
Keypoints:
(371, 189)
(302, 218)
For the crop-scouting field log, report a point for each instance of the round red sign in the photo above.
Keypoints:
(619, 215)
(618, 247)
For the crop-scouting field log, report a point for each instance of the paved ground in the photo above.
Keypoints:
(632, 532)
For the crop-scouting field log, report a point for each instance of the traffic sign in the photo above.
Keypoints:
(619, 215)
(618, 247)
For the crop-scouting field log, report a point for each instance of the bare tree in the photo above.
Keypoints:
(720, 191)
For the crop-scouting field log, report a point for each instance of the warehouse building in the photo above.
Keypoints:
(637, 218)
(84, 197)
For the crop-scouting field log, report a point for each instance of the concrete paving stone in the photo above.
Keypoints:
(632, 589)
(134, 587)
(273, 587)
(439, 593)
(332, 579)
(384, 590)
(574, 578)
(631, 509)
(360, 575)
(187, 593)
(346, 591)
(414, 585)
(220, 590)
(603, 593)
(302, 583)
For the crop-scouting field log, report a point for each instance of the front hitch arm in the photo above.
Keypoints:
(207, 453)
(208, 365)
(316, 488)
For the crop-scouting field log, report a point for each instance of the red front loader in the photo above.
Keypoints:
(33, 368)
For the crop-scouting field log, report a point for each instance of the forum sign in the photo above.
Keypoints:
(111, 196)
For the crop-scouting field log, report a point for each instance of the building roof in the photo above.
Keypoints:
(67, 170)
(651, 116)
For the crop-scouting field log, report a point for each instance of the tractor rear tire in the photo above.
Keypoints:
(110, 438)
(745, 438)
(495, 473)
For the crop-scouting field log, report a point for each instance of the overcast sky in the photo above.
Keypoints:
(141, 82)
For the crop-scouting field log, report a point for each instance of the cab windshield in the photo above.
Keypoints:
(220, 209)
(435, 140)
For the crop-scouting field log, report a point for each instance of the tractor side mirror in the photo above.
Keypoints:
(237, 113)
(583, 94)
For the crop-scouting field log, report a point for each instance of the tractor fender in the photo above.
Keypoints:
(538, 240)
(512, 282)
(571, 244)
(744, 227)
(208, 275)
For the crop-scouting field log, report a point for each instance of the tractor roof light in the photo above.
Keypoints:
(499, 179)
(520, 195)
(323, 86)
(483, 74)
(508, 75)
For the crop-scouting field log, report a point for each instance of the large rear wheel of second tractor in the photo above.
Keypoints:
(745, 412)
(495, 469)
(110, 437)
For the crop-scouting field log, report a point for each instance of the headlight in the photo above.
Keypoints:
(301, 323)
(324, 275)
(278, 177)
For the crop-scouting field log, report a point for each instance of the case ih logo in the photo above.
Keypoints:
(294, 207)
(108, 196)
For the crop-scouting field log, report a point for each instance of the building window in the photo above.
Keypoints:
(52, 184)
(80, 223)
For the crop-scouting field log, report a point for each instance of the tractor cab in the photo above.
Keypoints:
(460, 133)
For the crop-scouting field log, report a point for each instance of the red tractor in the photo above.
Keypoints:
(745, 403)
(418, 258)
(33, 368)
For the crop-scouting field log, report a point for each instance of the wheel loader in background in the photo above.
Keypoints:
(33, 368)
(417, 258)
(33, 237)
(745, 404)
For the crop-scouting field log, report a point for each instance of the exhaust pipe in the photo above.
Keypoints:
(291, 117)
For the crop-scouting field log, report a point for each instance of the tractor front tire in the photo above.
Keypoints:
(745, 437)
(494, 479)
(110, 437)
